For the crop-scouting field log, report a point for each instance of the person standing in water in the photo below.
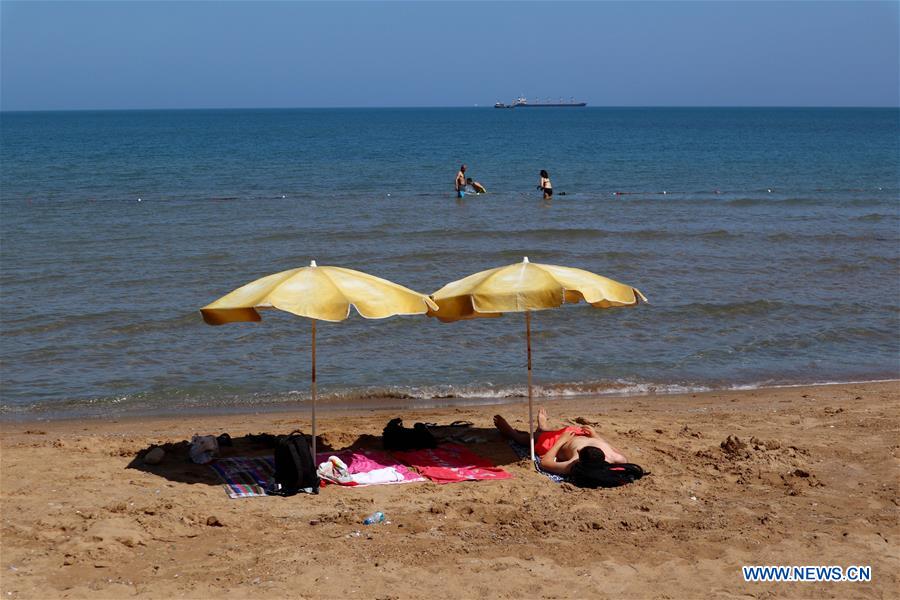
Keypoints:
(461, 182)
(545, 185)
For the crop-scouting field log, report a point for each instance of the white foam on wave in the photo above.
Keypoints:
(396, 397)
(488, 392)
(766, 386)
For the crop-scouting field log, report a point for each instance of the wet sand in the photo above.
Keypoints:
(788, 476)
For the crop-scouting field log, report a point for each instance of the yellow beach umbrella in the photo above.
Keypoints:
(319, 294)
(524, 287)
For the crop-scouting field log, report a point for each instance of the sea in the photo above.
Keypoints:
(767, 241)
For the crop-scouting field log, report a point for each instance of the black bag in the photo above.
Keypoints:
(457, 431)
(295, 469)
(397, 437)
(610, 475)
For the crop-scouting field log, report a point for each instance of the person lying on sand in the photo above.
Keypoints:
(564, 451)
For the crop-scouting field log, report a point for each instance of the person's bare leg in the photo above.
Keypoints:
(542, 420)
(506, 430)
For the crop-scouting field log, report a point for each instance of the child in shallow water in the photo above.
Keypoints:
(545, 185)
(479, 189)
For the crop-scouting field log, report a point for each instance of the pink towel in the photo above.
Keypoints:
(366, 461)
(451, 462)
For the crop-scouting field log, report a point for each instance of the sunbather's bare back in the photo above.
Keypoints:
(570, 449)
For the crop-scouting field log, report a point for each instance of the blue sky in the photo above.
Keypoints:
(84, 55)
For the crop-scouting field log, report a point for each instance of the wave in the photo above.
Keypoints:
(789, 344)
(759, 201)
(566, 234)
(876, 217)
(716, 234)
(210, 257)
(827, 238)
(749, 308)
(344, 234)
(731, 309)
(572, 234)
(111, 321)
(543, 234)
(843, 268)
(181, 402)
(499, 257)
(751, 201)
(175, 323)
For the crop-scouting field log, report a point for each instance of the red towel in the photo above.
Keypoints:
(451, 462)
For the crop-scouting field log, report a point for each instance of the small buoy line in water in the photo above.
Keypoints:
(29, 200)
(667, 192)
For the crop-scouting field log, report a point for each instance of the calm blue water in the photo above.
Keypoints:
(765, 239)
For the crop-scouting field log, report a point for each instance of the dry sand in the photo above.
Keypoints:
(812, 481)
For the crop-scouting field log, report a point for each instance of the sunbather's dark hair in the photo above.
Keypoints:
(591, 455)
(544, 174)
(468, 180)
(591, 463)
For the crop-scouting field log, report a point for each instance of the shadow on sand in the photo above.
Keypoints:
(177, 466)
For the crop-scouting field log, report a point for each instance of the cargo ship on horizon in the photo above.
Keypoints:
(522, 102)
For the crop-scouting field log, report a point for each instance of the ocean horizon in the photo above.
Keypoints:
(449, 107)
(766, 240)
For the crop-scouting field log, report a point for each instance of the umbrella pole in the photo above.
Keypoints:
(530, 408)
(313, 390)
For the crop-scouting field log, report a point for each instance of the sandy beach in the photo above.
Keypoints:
(811, 480)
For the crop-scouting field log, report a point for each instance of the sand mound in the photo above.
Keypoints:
(766, 462)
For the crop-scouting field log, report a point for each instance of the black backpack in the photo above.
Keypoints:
(397, 437)
(295, 469)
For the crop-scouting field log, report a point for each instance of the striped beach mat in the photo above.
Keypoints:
(245, 477)
(524, 452)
